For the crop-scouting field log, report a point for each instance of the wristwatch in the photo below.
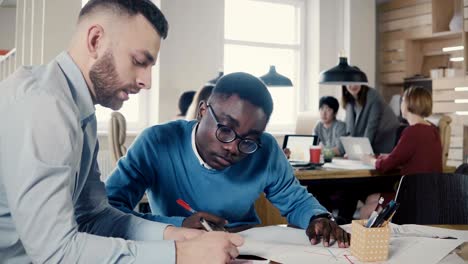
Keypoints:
(329, 216)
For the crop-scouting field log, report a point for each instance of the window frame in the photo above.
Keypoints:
(301, 93)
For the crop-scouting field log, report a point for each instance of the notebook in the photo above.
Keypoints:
(355, 147)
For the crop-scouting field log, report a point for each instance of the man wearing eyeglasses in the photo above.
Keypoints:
(218, 164)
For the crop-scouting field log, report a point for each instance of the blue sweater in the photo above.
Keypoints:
(161, 162)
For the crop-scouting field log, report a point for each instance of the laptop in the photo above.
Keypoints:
(299, 146)
(355, 147)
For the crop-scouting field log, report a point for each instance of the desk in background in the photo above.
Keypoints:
(269, 215)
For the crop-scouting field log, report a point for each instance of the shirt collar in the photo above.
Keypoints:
(194, 148)
(78, 86)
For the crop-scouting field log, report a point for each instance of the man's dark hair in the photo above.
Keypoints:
(248, 88)
(184, 102)
(130, 8)
(331, 102)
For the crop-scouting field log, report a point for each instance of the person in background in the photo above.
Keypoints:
(53, 205)
(185, 100)
(220, 164)
(328, 129)
(419, 149)
(367, 115)
(202, 95)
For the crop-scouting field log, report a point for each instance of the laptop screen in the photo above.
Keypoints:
(299, 146)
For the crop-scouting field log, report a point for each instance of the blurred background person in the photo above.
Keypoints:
(329, 129)
(419, 149)
(185, 100)
(367, 115)
(201, 95)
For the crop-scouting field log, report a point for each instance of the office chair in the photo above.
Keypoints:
(443, 123)
(305, 123)
(117, 136)
(433, 199)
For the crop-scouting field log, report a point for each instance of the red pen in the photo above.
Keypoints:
(185, 205)
(208, 226)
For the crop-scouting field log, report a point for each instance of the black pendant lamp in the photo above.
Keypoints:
(273, 78)
(343, 74)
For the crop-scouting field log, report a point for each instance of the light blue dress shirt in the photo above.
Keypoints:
(53, 206)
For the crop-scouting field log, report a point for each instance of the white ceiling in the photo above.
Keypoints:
(5, 3)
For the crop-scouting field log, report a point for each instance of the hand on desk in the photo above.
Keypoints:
(193, 221)
(368, 159)
(211, 247)
(327, 229)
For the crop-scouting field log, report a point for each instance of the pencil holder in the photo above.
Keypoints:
(369, 244)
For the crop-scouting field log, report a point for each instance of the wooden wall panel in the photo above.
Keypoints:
(411, 33)
(393, 77)
(449, 83)
(393, 67)
(416, 10)
(446, 107)
(392, 56)
(395, 4)
(406, 23)
(393, 45)
(448, 95)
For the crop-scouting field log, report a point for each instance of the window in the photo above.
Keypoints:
(260, 33)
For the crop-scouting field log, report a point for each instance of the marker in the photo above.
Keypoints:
(185, 205)
(206, 225)
(374, 214)
(389, 216)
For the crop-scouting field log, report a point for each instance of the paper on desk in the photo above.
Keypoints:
(426, 231)
(346, 164)
(288, 245)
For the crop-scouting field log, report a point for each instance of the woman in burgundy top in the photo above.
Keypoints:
(419, 149)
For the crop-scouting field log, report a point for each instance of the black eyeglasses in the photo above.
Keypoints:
(226, 134)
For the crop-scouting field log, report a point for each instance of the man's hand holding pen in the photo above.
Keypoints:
(327, 229)
(193, 221)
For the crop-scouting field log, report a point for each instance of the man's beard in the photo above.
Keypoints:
(105, 80)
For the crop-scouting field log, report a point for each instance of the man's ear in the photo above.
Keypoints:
(94, 40)
(201, 110)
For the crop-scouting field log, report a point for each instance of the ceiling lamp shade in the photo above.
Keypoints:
(273, 78)
(343, 74)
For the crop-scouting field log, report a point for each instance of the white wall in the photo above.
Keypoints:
(43, 29)
(7, 27)
(193, 52)
(336, 27)
(360, 31)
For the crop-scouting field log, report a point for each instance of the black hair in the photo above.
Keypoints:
(247, 87)
(184, 102)
(130, 8)
(205, 93)
(331, 102)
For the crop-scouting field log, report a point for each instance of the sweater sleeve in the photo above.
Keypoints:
(134, 174)
(286, 193)
(402, 152)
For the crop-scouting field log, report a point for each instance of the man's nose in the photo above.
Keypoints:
(232, 147)
(144, 78)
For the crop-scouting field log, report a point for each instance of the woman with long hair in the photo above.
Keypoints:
(367, 115)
